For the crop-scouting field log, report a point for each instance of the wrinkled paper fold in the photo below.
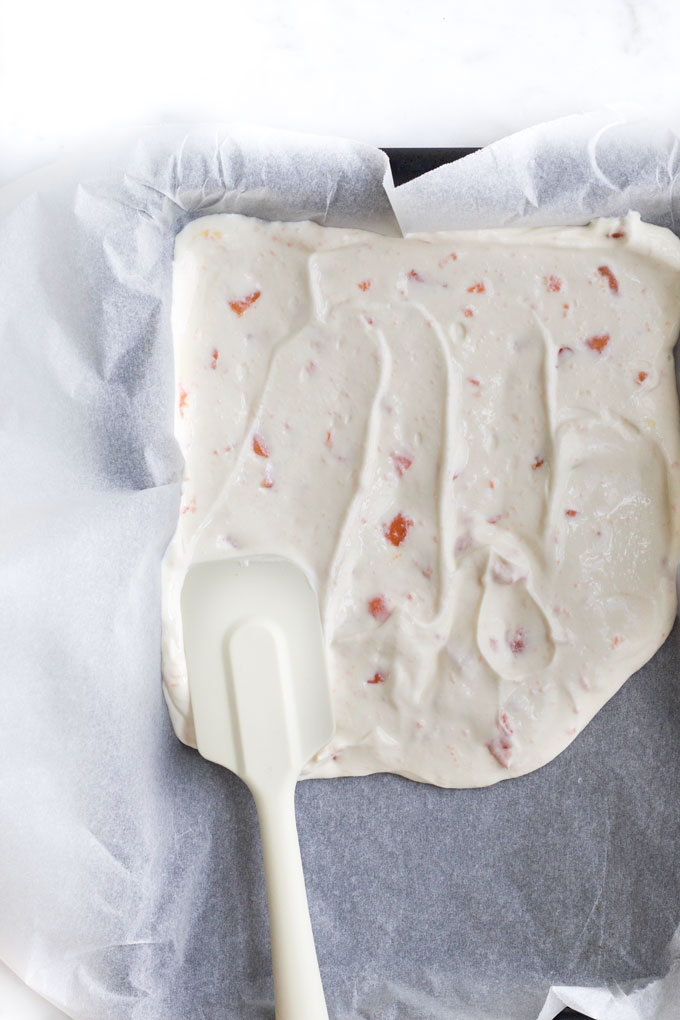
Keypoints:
(131, 879)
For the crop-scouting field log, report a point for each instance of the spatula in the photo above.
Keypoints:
(261, 705)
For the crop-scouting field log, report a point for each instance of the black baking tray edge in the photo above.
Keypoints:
(407, 164)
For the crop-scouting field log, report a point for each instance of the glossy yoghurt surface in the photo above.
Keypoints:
(469, 441)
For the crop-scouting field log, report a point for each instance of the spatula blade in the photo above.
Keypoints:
(256, 664)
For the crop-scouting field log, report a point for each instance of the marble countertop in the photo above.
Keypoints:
(439, 72)
(434, 73)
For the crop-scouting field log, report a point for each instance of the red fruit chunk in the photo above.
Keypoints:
(570, 513)
(598, 343)
(501, 748)
(242, 306)
(610, 278)
(379, 609)
(504, 722)
(538, 462)
(641, 377)
(476, 288)
(468, 312)
(516, 642)
(501, 745)
(463, 542)
(397, 531)
(402, 463)
(183, 400)
(215, 356)
(413, 275)
(553, 283)
(260, 447)
(378, 678)
(364, 285)
(617, 233)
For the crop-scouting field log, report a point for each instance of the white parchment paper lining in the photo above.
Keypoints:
(130, 878)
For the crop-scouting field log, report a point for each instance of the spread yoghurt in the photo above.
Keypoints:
(468, 440)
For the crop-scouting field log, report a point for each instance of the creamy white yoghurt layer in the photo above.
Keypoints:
(468, 440)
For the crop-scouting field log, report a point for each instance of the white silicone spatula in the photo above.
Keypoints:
(261, 705)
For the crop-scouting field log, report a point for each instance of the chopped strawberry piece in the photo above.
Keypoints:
(610, 278)
(598, 343)
(413, 275)
(538, 462)
(398, 529)
(468, 312)
(215, 356)
(245, 303)
(516, 642)
(570, 513)
(476, 288)
(501, 748)
(504, 722)
(378, 678)
(402, 462)
(617, 233)
(641, 377)
(553, 283)
(260, 447)
(183, 401)
(463, 542)
(442, 262)
(328, 441)
(364, 285)
(474, 382)
(501, 745)
(379, 609)
(267, 482)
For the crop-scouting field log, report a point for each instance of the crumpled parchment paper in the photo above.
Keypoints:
(130, 876)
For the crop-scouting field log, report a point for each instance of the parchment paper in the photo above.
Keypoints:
(131, 886)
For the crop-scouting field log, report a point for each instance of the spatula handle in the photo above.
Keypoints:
(298, 991)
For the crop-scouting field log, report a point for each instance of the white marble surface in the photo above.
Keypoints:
(390, 72)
